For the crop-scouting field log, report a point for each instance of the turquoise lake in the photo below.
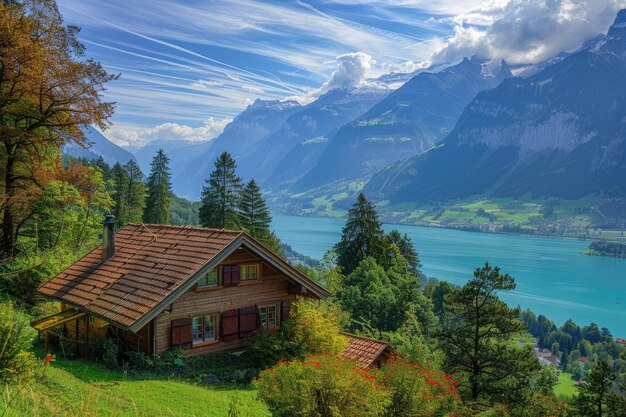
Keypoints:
(553, 277)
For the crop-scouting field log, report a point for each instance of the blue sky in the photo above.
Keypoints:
(190, 66)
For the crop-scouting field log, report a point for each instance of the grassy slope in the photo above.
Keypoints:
(76, 388)
(571, 218)
(565, 386)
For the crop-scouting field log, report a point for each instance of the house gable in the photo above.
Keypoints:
(264, 254)
(240, 305)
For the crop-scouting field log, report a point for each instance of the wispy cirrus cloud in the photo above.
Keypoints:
(183, 61)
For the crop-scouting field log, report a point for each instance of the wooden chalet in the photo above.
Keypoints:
(158, 287)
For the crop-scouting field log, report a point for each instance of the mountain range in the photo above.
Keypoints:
(99, 146)
(409, 121)
(556, 128)
(560, 132)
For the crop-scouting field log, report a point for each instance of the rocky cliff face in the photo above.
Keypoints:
(561, 132)
(409, 121)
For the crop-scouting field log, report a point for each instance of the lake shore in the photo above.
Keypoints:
(553, 277)
(449, 227)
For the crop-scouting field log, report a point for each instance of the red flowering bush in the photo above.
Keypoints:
(322, 385)
(326, 385)
(417, 390)
(546, 406)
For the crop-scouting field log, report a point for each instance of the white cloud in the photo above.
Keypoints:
(408, 66)
(352, 69)
(137, 137)
(526, 31)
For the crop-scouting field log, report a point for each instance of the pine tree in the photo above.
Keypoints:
(362, 236)
(480, 337)
(220, 195)
(159, 191)
(597, 393)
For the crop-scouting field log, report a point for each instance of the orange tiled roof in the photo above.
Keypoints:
(363, 350)
(150, 263)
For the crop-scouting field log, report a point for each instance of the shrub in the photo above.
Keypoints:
(417, 390)
(26, 272)
(546, 405)
(322, 385)
(17, 363)
(227, 365)
(110, 353)
(140, 361)
(498, 410)
(313, 327)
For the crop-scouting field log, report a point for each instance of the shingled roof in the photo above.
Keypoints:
(366, 351)
(152, 263)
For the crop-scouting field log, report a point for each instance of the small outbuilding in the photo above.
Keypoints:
(368, 352)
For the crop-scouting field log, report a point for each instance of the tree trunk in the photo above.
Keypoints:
(7, 240)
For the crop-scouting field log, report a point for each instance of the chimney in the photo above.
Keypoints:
(108, 238)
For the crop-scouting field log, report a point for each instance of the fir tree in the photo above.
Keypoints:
(120, 184)
(404, 244)
(362, 236)
(159, 191)
(135, 193)
(254, 215)
(129, 192)
(220, 195)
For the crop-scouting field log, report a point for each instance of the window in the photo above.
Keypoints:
(204, 329)
(250, 272)
(268, 316)
(210, 279)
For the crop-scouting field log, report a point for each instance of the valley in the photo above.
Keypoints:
(590, 217)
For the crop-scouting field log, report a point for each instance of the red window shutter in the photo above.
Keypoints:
(181, 334)
(230, 325)
(236, 274)
(284, 310)
(227, 276)
(248, 321)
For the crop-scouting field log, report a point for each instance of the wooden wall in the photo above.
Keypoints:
(272, 288)
(84, 335)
